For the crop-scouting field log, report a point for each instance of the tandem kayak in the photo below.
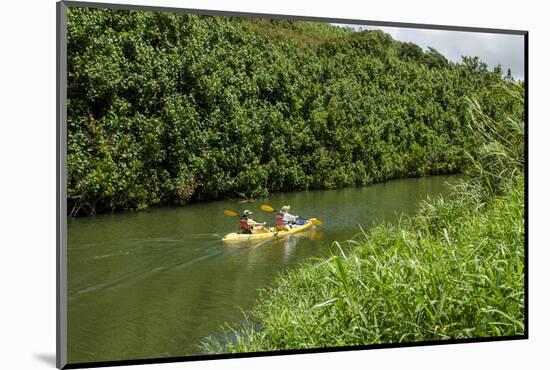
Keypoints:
(272, 233)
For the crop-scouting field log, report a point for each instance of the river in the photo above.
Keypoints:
(155, 283)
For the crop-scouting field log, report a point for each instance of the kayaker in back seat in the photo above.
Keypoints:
(280, 222)
(248, 225)
(288, 219)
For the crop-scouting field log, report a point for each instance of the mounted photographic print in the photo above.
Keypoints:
(234, 184)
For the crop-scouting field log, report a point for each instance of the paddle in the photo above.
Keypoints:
(267, 208)
(230, 213)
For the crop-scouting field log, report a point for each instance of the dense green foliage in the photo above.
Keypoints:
(171, 108)
(455, 270)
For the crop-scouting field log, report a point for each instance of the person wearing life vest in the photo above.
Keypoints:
(280, 222)
(247, 224)
(288, 219)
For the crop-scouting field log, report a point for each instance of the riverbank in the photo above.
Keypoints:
(454, 270)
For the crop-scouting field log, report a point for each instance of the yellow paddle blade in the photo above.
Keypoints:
(229, 213)
(316, 222)
(266, 208)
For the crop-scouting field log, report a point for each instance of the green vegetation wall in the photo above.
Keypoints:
(172, 108)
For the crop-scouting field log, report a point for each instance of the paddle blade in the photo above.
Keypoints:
(229, 213)
(266, 208)
(316, 222)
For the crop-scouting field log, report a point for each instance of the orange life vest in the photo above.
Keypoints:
(244, 224)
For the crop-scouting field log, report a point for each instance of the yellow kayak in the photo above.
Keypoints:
(272, 233)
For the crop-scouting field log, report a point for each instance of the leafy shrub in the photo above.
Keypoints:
(176, 108)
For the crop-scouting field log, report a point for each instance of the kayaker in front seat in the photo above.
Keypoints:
(247, 224)
(288, 219)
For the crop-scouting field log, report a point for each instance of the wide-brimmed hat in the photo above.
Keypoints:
(285, 208)
(247, 212)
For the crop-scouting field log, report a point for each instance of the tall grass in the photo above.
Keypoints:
(499, 157)
(454, 270)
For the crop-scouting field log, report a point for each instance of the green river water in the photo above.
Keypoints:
(155, 283)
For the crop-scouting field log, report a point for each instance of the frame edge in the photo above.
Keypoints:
(61, 186)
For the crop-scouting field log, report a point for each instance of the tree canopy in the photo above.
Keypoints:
(173, 108)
